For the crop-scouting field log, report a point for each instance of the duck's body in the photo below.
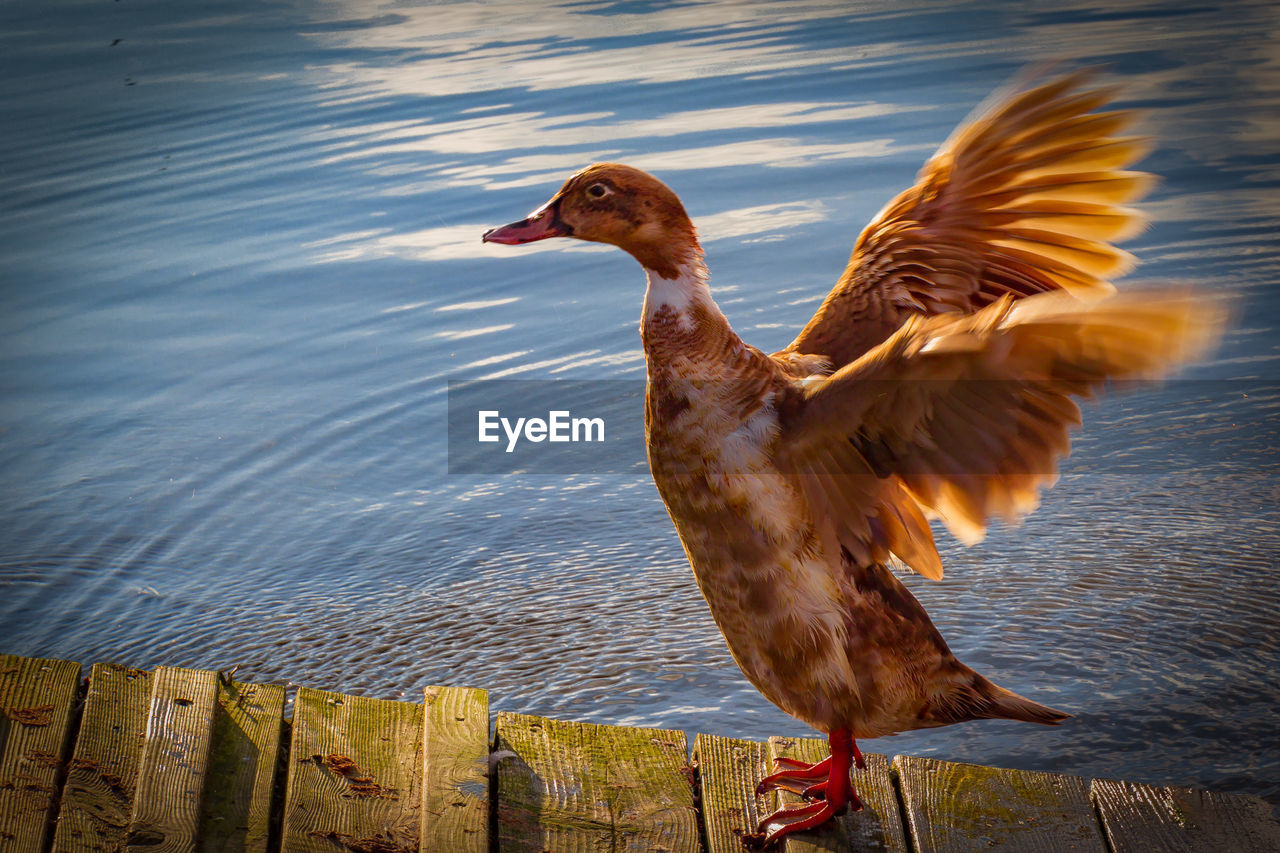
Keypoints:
(926, 384)
(833, 642)
(710, 422)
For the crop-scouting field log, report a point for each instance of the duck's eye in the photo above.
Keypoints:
(597, 191)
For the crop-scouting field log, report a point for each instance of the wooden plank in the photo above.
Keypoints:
(877, 826)
(570, 787)
(174, 764)
(953, 807)
(37, 701)
(97, 799)
(455, 771)
(728, 771)
(355, 769)
(244, 757)
(1141, 817)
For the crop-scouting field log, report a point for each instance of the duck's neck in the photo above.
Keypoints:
(680, 318)
(672, 259)
(680, 289)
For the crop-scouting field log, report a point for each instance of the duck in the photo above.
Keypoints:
(938, 380)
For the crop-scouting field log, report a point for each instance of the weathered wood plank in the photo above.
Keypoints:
(877, 826)
(953, 807)
(455, 772)
(97, 798)
(174, 764)
(1142, 817)
(243, 759)
(728, 771)
(571, 787)
(355, 771)
(37, 700)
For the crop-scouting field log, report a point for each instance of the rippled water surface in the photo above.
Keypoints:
(241, 262)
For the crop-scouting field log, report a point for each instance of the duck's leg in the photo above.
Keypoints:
(832, 783)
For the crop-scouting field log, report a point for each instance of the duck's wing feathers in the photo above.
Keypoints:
(967, 417)
(1022, 199)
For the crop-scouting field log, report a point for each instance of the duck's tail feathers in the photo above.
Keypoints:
(1007, 705)
(978, 698)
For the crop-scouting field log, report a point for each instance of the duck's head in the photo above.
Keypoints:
(615, 204)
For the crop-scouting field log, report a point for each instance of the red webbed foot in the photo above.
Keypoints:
(794, 776)
(816, 791)
(783, 822)
(830, 786)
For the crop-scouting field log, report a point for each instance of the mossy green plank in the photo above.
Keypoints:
(97, 797)
(728, 771)
(37, 699)
(174, 764)
(573, 787)
(355, 775)
(244, 757)
(1138, 818)
(954, 807)
(455, 772)
(876, 826)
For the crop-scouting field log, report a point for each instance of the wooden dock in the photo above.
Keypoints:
(184, 759)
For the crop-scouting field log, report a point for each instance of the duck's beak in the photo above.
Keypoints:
(542, 223)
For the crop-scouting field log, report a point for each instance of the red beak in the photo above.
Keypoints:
(539, 225)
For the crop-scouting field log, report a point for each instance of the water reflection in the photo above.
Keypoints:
(470, 48)
(243, 260)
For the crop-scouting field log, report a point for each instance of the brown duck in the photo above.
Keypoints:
(934, 382)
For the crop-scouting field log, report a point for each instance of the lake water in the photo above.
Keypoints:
(241, 265)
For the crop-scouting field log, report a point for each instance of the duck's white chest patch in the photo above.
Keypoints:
(739, 458)
(746, 456)
(676, 295)
(747, 446)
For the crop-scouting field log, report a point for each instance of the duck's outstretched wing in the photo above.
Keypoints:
(1024, 198)
(967, 417)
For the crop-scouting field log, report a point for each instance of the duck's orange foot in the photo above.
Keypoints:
(827, 782)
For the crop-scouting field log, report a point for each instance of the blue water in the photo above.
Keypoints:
(241, 263)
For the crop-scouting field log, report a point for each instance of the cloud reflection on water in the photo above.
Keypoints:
(471, 47)
(522, 131)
